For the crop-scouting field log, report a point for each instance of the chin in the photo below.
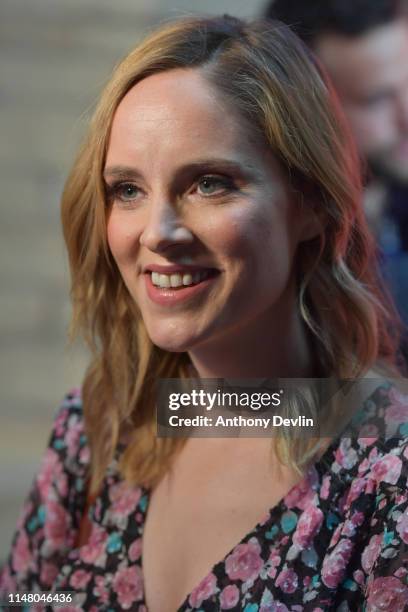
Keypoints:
(171, 343)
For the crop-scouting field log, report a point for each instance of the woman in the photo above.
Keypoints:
(214, 228)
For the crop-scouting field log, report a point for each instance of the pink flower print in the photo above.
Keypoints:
(24, 514)
(204, 590)
(80, 579)
(273, 561)
(397, 412)
(128, 585)
(336, 536)
(363, 467)
(356, 488)
(51, 472)
(402, 526)
(287, 581)
(244, 563)
(387, 593)
(124, 499)
(368, 434)
(303, 493)
(350, 525)
(21, 554)
(308, 526)
(371, 552)
(345, 455)
(387, 469)
(325, 488)
(100, 590)
(359, 577)
(229, 597)
(74, 431)
(400, 499)
(373, 456)
(60, 422)
(135, 550)
(270, 604)
(401, 572)
(56, 524)
(85, 455)
(49, 572)
(335, 563)
(95, 547)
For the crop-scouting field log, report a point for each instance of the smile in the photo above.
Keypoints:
(179, 280)
(170, 289)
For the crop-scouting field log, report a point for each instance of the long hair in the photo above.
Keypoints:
(267, 74)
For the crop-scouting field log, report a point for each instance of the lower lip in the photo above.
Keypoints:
(170, 296)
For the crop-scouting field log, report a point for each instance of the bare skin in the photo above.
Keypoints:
(220, 490)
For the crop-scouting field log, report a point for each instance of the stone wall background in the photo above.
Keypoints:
(55, 56)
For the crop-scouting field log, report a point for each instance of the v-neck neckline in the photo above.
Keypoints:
(269, 519)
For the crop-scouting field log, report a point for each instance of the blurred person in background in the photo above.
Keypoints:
(363, 44)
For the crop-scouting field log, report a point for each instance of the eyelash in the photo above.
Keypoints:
(114, 191)
(227, 182)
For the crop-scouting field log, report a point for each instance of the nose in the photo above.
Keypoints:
(164, 228)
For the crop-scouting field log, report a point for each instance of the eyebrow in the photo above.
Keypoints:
(201, 165)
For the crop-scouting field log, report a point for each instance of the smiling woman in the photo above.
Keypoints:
(204, 206)
(214, 227)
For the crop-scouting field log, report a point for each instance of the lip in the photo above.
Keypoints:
(170, 296)
(174, 269)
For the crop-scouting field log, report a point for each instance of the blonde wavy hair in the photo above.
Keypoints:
(270, 77)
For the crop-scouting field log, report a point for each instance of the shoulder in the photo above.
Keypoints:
(68, 438)
(367, 466)
(49, 518)
(65, 461)
(364, 495)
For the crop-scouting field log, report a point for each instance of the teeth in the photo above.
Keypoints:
(177, 280)
(164, 280)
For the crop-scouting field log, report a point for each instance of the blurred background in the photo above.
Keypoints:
(55, 56)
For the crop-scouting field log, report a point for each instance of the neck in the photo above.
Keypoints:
(269, 347)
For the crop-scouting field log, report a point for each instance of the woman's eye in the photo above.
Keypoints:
(211, 185)
(127, 192)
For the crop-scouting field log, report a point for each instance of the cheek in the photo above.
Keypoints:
(120, 238)
(246, 236)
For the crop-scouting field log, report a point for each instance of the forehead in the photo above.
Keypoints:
(174, 111)
(364, 63)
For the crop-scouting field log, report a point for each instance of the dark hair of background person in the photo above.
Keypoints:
(309, 19)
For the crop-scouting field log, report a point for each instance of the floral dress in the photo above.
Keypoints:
(337, 541)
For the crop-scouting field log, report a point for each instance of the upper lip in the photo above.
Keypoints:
(174, 269)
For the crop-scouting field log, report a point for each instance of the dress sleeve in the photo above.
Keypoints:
(385, 558)
(50, 515)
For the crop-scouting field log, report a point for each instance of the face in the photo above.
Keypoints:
(195, 203)
(370, 73)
